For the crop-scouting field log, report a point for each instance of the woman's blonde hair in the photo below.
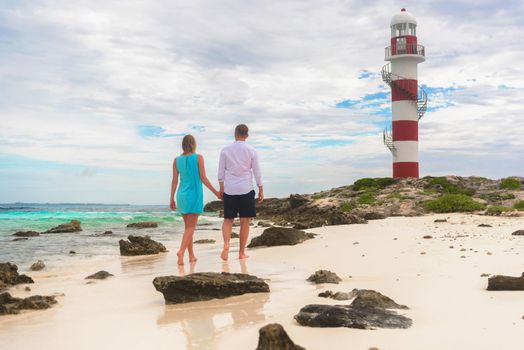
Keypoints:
(188, 144)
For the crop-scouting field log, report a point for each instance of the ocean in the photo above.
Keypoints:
(54, 249)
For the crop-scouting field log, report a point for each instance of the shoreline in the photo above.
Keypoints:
(448, 302)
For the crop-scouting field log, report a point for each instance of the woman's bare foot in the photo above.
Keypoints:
(180, 258)
(225, 253)
(242, 256)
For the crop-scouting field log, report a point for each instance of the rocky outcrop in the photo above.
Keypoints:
(37, 266)
(235, 235)
(72, 226)
(204, 241)
(324, 276)
(368, 310)
(100, 275)
(518, 233)
(214, 206)
(26, 234)
(11, 305)
(207, 285)
(274, 337)
(143, 224)
(275, 236)
(500, 282)
(336, 296)
(18, 239)
(9, 275)
(140, 245)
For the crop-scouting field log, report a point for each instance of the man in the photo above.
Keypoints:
(236, 168)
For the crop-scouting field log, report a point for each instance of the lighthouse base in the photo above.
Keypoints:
(405, 169)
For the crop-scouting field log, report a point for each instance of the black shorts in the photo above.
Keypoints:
(242, 205)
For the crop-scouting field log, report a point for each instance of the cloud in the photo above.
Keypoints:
(113, 86)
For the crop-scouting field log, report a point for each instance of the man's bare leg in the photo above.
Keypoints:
(244, 234)
(227, 228)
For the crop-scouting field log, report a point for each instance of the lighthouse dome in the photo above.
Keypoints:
(403, 17)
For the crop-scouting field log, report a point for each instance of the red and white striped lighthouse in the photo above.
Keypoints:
(408, 102)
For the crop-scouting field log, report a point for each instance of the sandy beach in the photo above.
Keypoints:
(439, 279)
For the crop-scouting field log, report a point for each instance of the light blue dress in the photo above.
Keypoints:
(190, 195)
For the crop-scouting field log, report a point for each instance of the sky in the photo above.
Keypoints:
(95, 96)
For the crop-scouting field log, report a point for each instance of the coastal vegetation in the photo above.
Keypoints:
(510, 183)
(519, 205)
(450, 203)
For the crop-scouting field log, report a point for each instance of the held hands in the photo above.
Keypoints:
(219, 194)
(172, 204)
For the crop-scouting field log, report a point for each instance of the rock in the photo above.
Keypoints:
(440, 220)
(485, 274)
(371, 298)
(37, 266)
(207, 285)
(500, 282)
(235, 235)
(140, 245)
(204, 241)
(274, 337)
(427, 237)
(27, 289)
(324, 276)
(143, 224)
(374, 215)
(336, 296)
(26, 234)
(275, 236)
(9, 275)
(107, 233)
(11, 305)
(214, 206)
(297, 200)
(100, 275)
(484, 225)
(72, 252)
(20, 239)
(72, 226)
(264, 224)
(518, 233)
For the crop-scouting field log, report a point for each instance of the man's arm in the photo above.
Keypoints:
(221, 172)
(258, 176)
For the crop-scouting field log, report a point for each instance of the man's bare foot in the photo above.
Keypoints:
(180, 258)
(225, 253)
(193, 259)
(242, 256)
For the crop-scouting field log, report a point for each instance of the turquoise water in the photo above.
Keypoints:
(95, 219)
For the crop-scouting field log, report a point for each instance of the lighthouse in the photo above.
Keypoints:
(408, 101)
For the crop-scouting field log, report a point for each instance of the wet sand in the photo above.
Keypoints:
(448, 302)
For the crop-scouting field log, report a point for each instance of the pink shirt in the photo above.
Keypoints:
(237, 166)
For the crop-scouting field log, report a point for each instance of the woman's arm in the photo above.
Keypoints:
(203, 177)
(174, 185)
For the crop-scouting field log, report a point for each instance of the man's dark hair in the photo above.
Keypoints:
(242, 130)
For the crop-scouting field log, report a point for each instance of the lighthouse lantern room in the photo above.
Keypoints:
(408, 101)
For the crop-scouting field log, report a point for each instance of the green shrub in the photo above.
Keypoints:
(373, 183)
(519, 205)
(449, 203)
(497, 209)
(346, 207)
(448, 187)
(366, 198)
(317, 196)
(497, 197)
(510, 183)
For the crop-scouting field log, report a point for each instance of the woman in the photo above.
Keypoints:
(190, 167)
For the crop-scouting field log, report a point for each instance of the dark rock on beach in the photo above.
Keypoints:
(518, 233)
(274, 337)
(37, 266)
(72, 252)
(143, 224)
(72, 226)
(26, 234)
(204, 241)
(324, 276)
(207, 285)
(11, 305)
(440, 220)
(275, 236)
(9, 275)
(20, 239)
(264, 224)
(140, 245)
(484, 225)
(235, 235)
(368, 310)
(214, 206)
(336, 296)
(500, 282)
(100, 275)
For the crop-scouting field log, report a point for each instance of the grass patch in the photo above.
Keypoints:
(497, 197)
(519, 205)
(448, 187)
(373, 183)
(346, 207)
(317, 196)
(366, 198)
(497, 209)
(510, 183)
(450, 203)
(394, 195)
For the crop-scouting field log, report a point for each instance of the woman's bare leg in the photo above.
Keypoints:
(190, 221)
(193, 220)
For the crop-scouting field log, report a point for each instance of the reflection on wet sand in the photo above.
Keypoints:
(204, 322)
(243, 266)
(132, 264)
(182, 269)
